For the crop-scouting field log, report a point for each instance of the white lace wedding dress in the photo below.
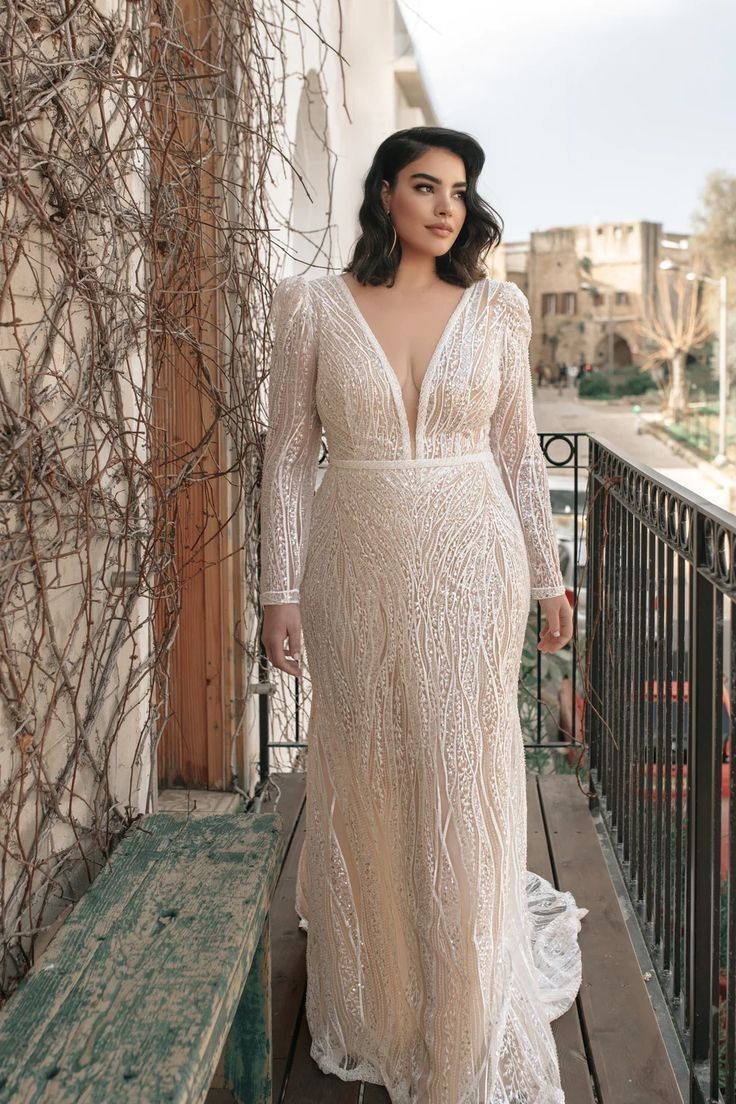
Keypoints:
(435, 960)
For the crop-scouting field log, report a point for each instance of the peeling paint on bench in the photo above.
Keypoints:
(140, 988)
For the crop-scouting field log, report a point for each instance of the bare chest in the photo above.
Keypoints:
(408, 331)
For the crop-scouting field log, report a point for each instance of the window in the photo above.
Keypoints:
(598, 298)
(559, 302)
(622, 298)
(562, 500)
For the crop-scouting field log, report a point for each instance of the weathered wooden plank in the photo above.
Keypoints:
(133, 858)
(627, 1051)
(375, 1094)
(280, 1070)
(289, 802)
(566, 1029)
(288, 941)
(247, 1057)
(289, 964)
(136, 998)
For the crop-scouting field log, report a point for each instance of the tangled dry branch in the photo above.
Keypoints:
(136, 141)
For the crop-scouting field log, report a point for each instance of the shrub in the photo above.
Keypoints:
(638, 383)
(607, 385)
(594, 385)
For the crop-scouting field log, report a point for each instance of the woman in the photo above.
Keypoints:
(435, 960)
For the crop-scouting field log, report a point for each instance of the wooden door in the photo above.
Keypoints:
(186, 312)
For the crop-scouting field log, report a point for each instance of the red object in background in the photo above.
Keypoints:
(650, 771)
(565, 713)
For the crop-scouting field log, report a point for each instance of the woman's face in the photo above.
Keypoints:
(428, 192)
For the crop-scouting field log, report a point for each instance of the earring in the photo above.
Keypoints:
(393, 243)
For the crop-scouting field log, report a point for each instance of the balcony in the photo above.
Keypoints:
(628, 739)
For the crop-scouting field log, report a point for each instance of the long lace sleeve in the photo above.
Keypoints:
(514, 441)
(292, 443)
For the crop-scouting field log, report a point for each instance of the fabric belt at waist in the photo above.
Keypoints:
(418, 462)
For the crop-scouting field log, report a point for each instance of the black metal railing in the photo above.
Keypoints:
(658, 721)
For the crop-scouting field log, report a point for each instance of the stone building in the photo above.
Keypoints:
(586, 286)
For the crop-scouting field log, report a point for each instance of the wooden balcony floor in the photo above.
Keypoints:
(609, 1042)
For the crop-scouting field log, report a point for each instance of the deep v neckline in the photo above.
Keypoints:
(393, 379)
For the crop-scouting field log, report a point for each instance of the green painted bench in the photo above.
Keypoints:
(159, 973)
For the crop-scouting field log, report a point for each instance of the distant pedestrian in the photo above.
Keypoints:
(559, 376)
(539, 370)
(572, 373)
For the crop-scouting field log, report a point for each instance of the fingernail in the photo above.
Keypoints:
(556, 632)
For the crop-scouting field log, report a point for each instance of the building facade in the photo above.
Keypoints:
(587, 286)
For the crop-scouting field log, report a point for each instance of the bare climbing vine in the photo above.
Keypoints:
(137, 146)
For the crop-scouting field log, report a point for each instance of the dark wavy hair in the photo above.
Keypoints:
(371, 262)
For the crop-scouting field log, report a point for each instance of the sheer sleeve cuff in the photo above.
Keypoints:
(279, 597)
(548, 592)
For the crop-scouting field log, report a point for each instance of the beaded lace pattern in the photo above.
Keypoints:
(436, 961)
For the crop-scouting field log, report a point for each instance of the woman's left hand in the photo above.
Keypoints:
(558, 630)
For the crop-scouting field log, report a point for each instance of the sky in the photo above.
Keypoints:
(587, 110)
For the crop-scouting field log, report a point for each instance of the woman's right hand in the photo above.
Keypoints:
(283, 623)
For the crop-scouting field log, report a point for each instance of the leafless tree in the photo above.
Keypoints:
(673, 325)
